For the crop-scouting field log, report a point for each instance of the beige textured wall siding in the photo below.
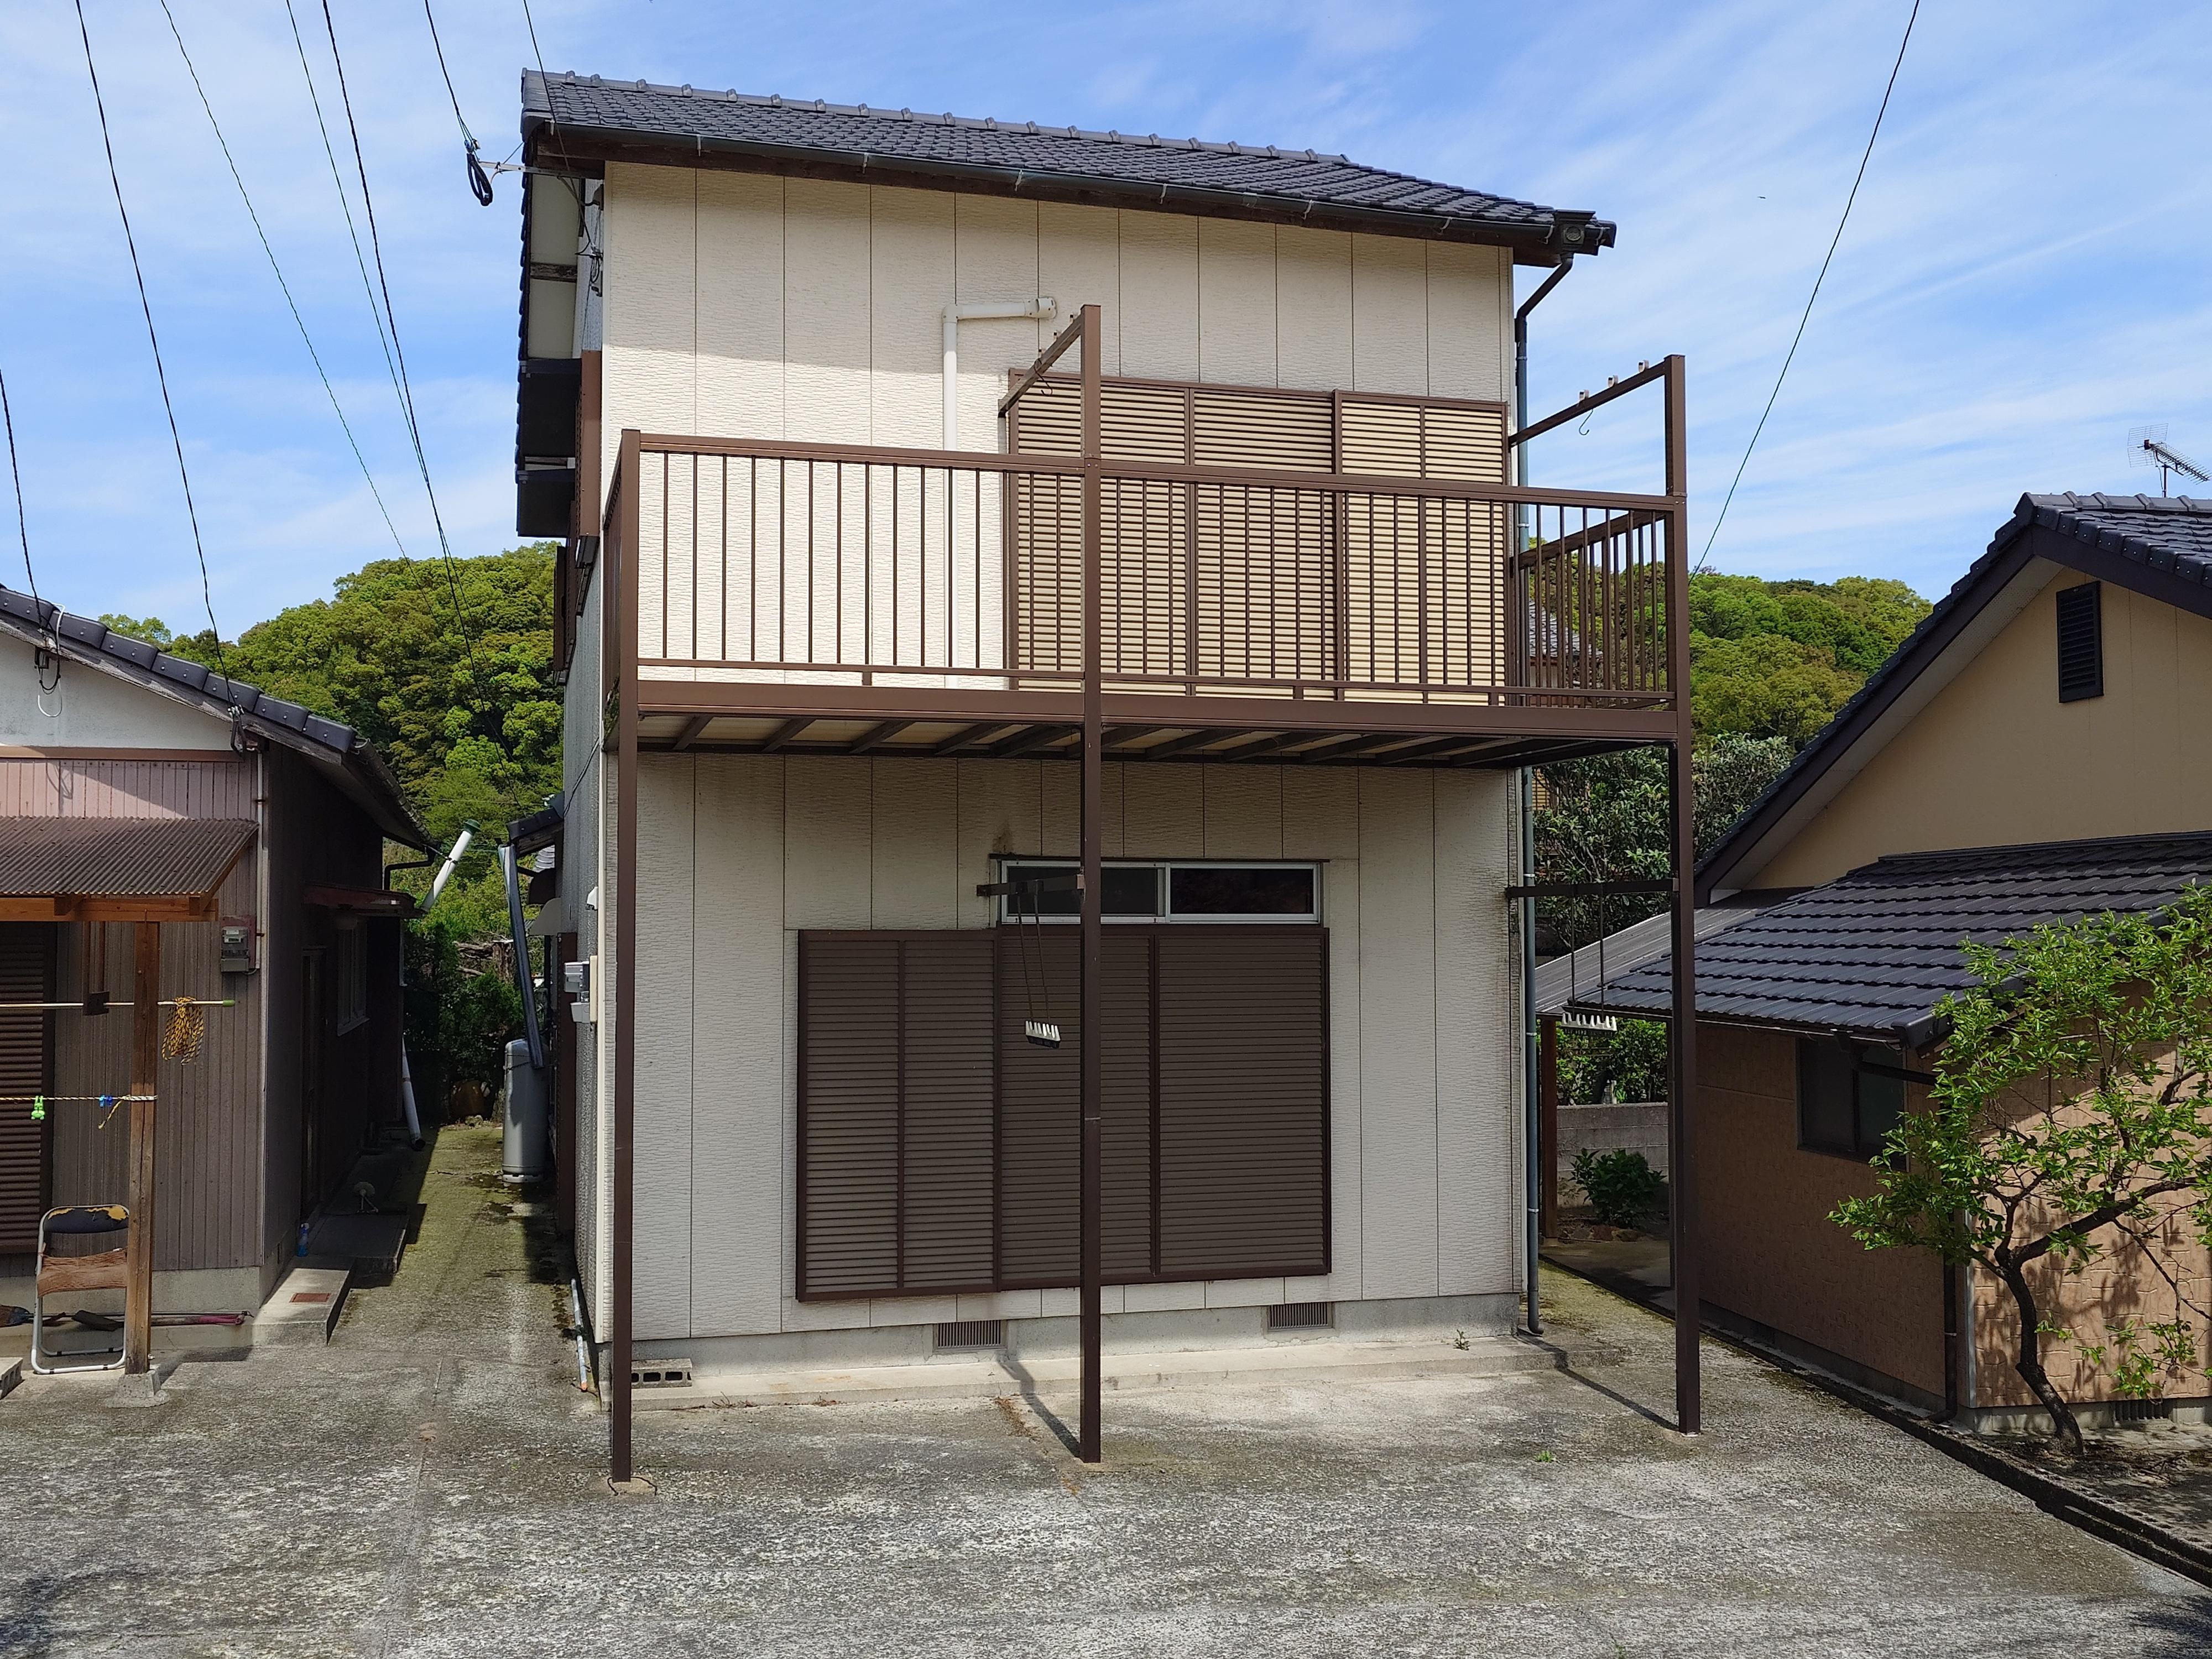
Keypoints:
(745, 306)
(1768, 1251)
(88, 709)
(738, 853)
(1997, 760)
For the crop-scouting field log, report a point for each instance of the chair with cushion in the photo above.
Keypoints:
(100, 1270)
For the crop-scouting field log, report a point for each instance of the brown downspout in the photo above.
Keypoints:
(1548, 1123)
(145, 1067)
(619, 571)
(1689, 1407)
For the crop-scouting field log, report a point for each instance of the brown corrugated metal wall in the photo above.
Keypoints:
(938, 1147)
(25, 969)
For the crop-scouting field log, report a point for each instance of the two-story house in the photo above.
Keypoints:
(873, 617)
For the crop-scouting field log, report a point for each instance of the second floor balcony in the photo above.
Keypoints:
(1275, 573)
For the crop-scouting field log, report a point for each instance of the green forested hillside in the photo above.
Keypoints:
(1779, 659)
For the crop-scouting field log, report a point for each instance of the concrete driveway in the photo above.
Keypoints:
(429, 1484)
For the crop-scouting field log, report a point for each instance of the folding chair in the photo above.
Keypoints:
(103, 1270)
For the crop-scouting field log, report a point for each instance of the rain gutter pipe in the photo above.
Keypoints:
(973, 311)
(406, 1073)
(1532, 1131)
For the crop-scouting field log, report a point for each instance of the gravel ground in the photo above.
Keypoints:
(430, 1485)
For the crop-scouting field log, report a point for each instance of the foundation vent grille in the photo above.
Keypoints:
(660, 1374)
(1301, 1316)
(961, 1334)
(2140, 1411)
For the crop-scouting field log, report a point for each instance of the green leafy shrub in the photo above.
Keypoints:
(1624, 1188)
(458, 1022)
(1632, 1061)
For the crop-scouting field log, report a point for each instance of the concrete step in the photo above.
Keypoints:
(988, 1376)
(304, 1308)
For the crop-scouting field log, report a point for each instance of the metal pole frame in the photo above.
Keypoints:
(1689, 1405)
(145, 1064)
(620, 602)
(1092, 996)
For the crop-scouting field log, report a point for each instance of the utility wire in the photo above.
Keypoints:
(22, 524)
(1817, 281)
(392, 319)
(305, 338)
(160, 374)
(479, 183)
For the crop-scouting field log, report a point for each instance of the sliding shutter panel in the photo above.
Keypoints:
(1243, 1115)
(946, 1116)
(24, 954)
(849, 1110)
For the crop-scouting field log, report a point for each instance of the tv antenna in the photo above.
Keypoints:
(2147, 446)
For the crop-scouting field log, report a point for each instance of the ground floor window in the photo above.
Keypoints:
(1843, 1107)
(1171, 890)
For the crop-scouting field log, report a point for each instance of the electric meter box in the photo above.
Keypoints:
(237, 948)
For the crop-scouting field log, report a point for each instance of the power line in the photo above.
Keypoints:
(392, 319)
(479, 185)
(305, 339)
(1817, 281)
(160, 374)
(22, 524)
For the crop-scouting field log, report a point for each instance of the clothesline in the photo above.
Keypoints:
(166, 1002)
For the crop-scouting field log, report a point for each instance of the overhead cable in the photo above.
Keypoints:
(300, 322)
(160, 374)
(1833, 242)
(22, 524)
(478, 183)
(391, 321)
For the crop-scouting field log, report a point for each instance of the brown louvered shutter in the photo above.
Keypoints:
(25, 952)
(1243, 1130)
(895, 1113)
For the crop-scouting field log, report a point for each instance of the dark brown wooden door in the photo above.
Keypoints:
(938, 1146)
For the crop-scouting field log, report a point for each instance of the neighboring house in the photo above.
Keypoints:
(2038, 751)
(124, 770)
(829, 671)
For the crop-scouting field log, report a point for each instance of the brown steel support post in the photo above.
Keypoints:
(1547, 1136)
(145, 1067)
(621, 601)
(1094, 823)
(1682, 1196)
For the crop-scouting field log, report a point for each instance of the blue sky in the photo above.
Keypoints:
(2023, 280)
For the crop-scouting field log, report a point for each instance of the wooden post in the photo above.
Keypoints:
(145, 1066)
(1091, 1201)
(1682, 1035)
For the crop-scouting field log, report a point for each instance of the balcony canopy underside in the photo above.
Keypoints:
(1346, 742)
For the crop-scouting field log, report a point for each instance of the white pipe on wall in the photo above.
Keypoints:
(977, 310)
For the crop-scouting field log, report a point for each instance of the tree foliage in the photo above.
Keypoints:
(2068, 1112)
(1778, 659)
(1633, 1062)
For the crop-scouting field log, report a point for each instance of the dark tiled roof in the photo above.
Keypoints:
(118, 858)
(91, 642)
(1565, 978)
(1874, 952)
(1172, 171)
(2160, 544)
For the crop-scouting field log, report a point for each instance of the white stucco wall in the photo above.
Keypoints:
(739, 853)
(88, 709)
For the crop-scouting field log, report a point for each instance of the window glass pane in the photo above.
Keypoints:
(1240, 890)
(1130, 891)
(1825, 1105)
(1881, 1102)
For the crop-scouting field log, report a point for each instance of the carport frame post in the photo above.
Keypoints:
(1682, 1045)
(1091, 997)
(145, 1066)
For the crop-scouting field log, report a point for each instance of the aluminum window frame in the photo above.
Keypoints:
(1166, 914)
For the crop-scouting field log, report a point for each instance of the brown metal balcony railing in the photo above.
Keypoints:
(881, 566)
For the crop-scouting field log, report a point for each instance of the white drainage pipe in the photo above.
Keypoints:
(972, 311)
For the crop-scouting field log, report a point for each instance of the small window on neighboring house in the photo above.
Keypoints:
(1843, 1108)
(1173, 890)
(2080, 643)
(350, 979)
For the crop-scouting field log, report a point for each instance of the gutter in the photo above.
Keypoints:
(1532, 1128)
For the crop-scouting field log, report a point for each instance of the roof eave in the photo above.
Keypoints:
(1568, 234)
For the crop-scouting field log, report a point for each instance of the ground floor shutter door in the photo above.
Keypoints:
(1243, 1118)
(938, 1146)
(25, 950)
